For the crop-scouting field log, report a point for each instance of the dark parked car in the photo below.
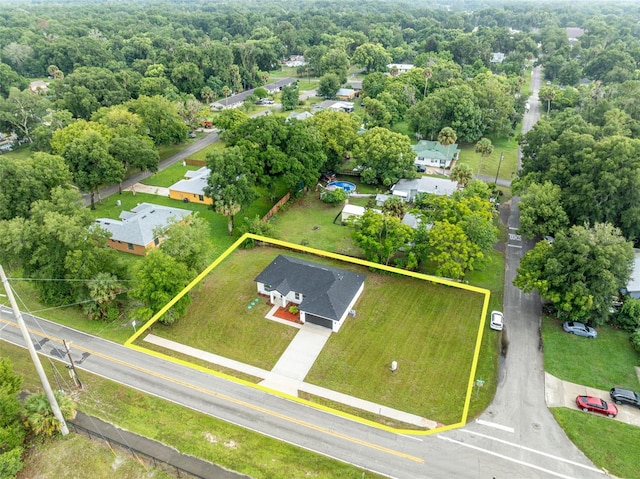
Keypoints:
(420, 169)
(624, 396)
(600, 406)
(573, 327)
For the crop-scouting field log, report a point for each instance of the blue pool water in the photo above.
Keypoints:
(345, 185)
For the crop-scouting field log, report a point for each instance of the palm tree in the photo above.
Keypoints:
(426, 73)
(548, 94)
(462, 174)
(447, 137)
(226, 91)
(485, 148)
(40, 418)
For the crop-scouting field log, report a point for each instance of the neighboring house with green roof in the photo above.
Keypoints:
(136, 230)
(434, 154)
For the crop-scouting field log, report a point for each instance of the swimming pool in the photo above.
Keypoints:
(345, 185)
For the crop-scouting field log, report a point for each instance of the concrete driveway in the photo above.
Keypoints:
(559, 393)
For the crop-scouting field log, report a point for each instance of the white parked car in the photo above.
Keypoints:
(497, 320)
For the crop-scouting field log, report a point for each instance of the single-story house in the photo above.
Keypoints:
(434, 154)
(399, 68)
(299, 116)
(136, 230)
(191, 189)
(497, 57)
(346, 94)
(355, 84)
(633, 286)
(409, 189)
(295, 61)
(335, 105)
(325, 296)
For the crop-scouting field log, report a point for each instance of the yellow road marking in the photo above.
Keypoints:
(234, 400)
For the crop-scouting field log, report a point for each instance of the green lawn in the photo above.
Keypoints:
(21, 153)
(489, 167)
(202, 154)
(169, 176)
(609, 444)
(600, 363)
(190, 432)
(308, 221)
(429, 329)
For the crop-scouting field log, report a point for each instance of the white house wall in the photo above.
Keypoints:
(338, 324)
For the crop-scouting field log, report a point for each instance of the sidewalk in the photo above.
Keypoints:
(287, 375)
(152, 190)
(559, 393)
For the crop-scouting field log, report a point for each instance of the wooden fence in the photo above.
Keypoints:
(277, 207)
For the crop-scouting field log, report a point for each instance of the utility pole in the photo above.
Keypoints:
(499, 163)
(34, 356)
(72, 367)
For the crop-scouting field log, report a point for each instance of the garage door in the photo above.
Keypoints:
(310, 318)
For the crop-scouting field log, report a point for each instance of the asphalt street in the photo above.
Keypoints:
(516, 437)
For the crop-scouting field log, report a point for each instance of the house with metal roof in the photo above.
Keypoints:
(191, 188)
(136, 230)
(633, 285)
(324, 295)
(409, 189)
(345, 94)
(435, 154)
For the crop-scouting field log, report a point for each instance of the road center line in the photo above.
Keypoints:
(535, 451)
(495, 425)
(224, 397)
(507, 458)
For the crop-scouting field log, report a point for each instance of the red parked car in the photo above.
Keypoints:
(593, 404)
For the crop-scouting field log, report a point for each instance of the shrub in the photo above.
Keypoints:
(628, 318)
(294, 309)
(334, 196)
(635, 339)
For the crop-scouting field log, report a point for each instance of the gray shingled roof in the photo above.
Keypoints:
(136, 227)
(327, 291)
(195, 184)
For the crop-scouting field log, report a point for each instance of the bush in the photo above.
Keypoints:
(334, 196)
(635, 339)
(628, 318)
(294, 309)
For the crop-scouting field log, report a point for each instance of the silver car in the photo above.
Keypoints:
(573, 327)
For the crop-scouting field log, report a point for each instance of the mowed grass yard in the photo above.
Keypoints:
(429, 329)
(601, 363)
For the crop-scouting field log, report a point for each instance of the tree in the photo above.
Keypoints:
(228, 184)
(289, 97)
(426, 73)
(58, 240)
(187, 241)
(461, 173)
(10, 79)
(547, 93)
(329, 85)
(338, 132)
(104, 289)
(447, 137)
(230, 118)
(541, 211)
(453, 253)
(159, 278)
(376, 114)
(187, 77)
(91, 164)
(395, 206)
(371, 56)
(39, 416)
(386, 156)
(135, 152)
(191, 112)
(580, 272)
(22, 111)
(628, 317)
(161, 118)
(374, 84)
(26, 181)
(381, 236)
(485, 148)
(12, 431)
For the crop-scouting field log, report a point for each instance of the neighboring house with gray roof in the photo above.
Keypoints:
(409, 189)
(633, 286)
(135, 231)
(191, 189)
(236, 100)
(299, 116)
(324, 295)
(434, 154)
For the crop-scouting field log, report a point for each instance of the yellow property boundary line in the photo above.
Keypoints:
(327, 254)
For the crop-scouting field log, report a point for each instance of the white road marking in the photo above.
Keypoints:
(411, 437)
(551, 456)
(514, 245)
(494, 425)
(512, 228)
(507, 458)
(515, 237)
